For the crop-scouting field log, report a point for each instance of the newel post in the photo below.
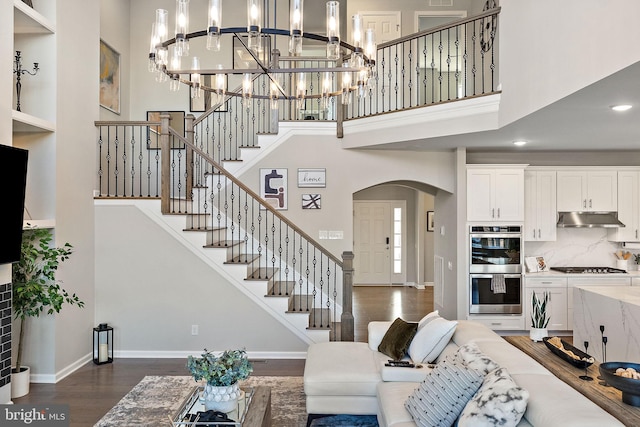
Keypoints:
(188, 134)
(165, 165)
(346, 321)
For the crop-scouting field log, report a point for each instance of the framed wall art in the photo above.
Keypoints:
(311, 201)
(109, 78)
(431, 225)
(312, 178)
(273, 187)
(176, 121)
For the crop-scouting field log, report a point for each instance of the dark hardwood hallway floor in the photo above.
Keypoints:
(92, 390)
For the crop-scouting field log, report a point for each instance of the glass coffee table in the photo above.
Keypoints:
(254, 409)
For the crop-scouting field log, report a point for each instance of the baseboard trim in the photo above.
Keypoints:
(63, 373)
(184, 354)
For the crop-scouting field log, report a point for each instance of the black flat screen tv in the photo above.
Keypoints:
(13, 181)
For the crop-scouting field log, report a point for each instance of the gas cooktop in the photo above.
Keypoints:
(588, 270)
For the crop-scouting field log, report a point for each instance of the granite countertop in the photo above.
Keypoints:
(626, 294)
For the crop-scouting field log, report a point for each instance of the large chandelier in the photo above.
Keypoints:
(346, 67)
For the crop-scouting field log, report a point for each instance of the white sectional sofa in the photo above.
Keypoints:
(351, 378)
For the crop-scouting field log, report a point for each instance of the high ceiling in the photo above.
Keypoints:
(582, 121)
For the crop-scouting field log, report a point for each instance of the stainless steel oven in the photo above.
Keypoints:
(495, 267)
(495, 249)
(495, 293)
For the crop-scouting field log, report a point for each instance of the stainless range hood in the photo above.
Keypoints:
(589, 219)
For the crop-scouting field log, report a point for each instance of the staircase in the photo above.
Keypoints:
(222, 220)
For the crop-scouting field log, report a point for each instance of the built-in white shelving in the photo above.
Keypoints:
(39, 223)
(34, 35)
(23, 122)
(26, 20)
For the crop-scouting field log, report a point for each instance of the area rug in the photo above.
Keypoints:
(154, 399)
(343, 421)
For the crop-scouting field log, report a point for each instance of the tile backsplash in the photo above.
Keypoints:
(577, 247)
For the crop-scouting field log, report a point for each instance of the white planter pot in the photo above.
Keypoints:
(536, 334)
(221, 398)
(20, 382)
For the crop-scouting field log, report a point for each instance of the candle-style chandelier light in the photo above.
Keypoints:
(346, 68)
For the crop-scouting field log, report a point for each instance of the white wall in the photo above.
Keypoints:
(590, 40)
(77, 109)
(407, 8)
(151, 289)
(373, 168)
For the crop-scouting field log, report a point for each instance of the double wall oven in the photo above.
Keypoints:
(495, 282)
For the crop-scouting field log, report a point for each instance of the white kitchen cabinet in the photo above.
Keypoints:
(635, 281)
(628, 207)
(540, 205)
(495, 194)
(500, 323)
(557, 306)
(587, 191)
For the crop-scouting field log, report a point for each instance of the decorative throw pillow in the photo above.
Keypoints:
(431, 339)
(440, 398)
(396, 340)
(474, 358)
(499, 402)
(428, 318)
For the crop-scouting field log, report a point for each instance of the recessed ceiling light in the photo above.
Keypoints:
(519, 143)
(621, 107)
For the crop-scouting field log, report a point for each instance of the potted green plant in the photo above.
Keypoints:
(539, 317)
(36, 291)
(221, 373)
(636, 259)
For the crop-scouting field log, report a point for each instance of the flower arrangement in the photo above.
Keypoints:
(539, 318)
(220, 370)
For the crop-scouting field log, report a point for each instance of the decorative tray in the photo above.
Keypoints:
(192, 408)
(578, 363)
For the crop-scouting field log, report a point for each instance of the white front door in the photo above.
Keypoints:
(386, 25)
(372, 242)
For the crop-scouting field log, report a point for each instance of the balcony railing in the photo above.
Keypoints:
(451, 62)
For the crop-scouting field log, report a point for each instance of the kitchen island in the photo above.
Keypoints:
(617, 308)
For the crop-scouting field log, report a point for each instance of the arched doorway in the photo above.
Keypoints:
(392, 245)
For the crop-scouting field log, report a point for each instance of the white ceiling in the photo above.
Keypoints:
(582, 121)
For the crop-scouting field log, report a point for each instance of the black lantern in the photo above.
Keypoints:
(102, 344)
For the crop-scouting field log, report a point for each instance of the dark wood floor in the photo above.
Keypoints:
(92, 390)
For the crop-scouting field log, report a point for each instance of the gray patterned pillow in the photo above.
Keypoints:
(499, 402)
(440, 398)
(474, 358)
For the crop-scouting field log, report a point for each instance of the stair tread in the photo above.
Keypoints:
(205, 228)
(243, 259)
(224, 244)
(281, 289)
(262, 273)
(318, 315)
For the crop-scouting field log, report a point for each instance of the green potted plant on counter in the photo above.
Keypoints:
(636, 259)
(36, 291)
(221, 373)
(539, 317)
